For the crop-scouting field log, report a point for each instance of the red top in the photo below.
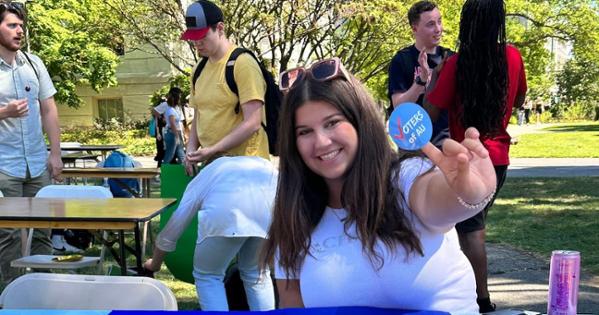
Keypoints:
(444, 96)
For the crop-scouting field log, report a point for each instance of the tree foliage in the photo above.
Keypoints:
(154, 26)
(537, 27)
(76, 40)
(367, 33)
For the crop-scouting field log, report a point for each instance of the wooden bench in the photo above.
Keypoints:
(71, 158)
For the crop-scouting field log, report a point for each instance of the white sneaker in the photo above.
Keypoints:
(60, 246)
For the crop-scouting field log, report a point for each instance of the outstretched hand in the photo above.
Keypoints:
(466, 166)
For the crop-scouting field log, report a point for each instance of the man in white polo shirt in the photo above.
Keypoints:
(27, 109)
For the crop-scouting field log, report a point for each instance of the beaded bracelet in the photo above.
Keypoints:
(481, 204)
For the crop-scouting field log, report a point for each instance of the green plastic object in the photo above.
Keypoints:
(173, 181)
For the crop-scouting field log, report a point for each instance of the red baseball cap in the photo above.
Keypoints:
(199, 16)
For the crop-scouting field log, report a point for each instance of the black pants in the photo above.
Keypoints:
(159, 151)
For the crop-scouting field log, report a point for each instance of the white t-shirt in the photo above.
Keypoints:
(339, 273)
(162, 109)
(170, 111)
(232, 197)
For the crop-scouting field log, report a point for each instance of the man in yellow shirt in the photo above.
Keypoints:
(219, 130)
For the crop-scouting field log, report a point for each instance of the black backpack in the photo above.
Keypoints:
(272, 98)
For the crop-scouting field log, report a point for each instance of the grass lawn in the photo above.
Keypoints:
(544, 214)
(187, 298)
(574, 140)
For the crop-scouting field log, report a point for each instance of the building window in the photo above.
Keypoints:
(111, 108)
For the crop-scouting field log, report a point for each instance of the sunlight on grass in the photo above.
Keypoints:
(542, 215)
(576, 140)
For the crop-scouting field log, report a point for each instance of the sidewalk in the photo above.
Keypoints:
(553, 167)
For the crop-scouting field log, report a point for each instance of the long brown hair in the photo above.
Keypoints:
(369, 194)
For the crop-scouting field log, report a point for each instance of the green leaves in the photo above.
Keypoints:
(76, 41)
(544, 30)
(77, 38)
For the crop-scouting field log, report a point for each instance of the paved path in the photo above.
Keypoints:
(553, 167)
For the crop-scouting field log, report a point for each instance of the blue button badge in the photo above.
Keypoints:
(410, 126)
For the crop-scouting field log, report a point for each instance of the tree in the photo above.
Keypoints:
(578, 81)
(155, 26)
(367, 33)
(77, 41)
(572, 22)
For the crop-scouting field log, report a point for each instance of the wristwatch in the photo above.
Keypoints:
(419, 81)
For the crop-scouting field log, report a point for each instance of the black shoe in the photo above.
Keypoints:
(485, 305)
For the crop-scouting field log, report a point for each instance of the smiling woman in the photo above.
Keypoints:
(348, 206)
(327, 143)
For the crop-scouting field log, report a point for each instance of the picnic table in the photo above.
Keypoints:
(93, 214)
(145, 174)
(74, 151)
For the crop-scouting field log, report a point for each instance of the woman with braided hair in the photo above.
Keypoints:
(480, 86)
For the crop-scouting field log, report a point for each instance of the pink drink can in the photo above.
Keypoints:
(564, 274)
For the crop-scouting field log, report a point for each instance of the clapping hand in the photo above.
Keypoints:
(423, 70)
(466, 166)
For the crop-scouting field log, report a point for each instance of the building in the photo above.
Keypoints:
(138, 75)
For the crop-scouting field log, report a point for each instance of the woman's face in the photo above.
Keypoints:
(326, 140)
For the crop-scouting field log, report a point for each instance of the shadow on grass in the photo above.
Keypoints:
(541, 215)
(573, 128)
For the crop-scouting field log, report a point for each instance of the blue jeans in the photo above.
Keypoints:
(171, 148)
(211, 259)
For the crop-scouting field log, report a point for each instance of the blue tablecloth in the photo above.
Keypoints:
(310, 311)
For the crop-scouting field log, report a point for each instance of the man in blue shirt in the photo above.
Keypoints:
(27, 109)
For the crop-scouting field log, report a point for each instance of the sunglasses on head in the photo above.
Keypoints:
(323, 70)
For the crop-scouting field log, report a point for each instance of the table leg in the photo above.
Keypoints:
(146, 187)
(123, 261)
(138, 251)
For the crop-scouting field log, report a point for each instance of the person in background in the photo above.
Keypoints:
(538, 106)
(410, 68)
(159, 125)
(217, 128)
(527, 109)
(480, 86)
(357, 223)
(158, 112)
(187, 119)
(27, 110)
(173, 132)
(226, 229)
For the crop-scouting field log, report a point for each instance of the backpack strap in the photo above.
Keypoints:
(31, 64)
(197, 72)
(230, 74)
